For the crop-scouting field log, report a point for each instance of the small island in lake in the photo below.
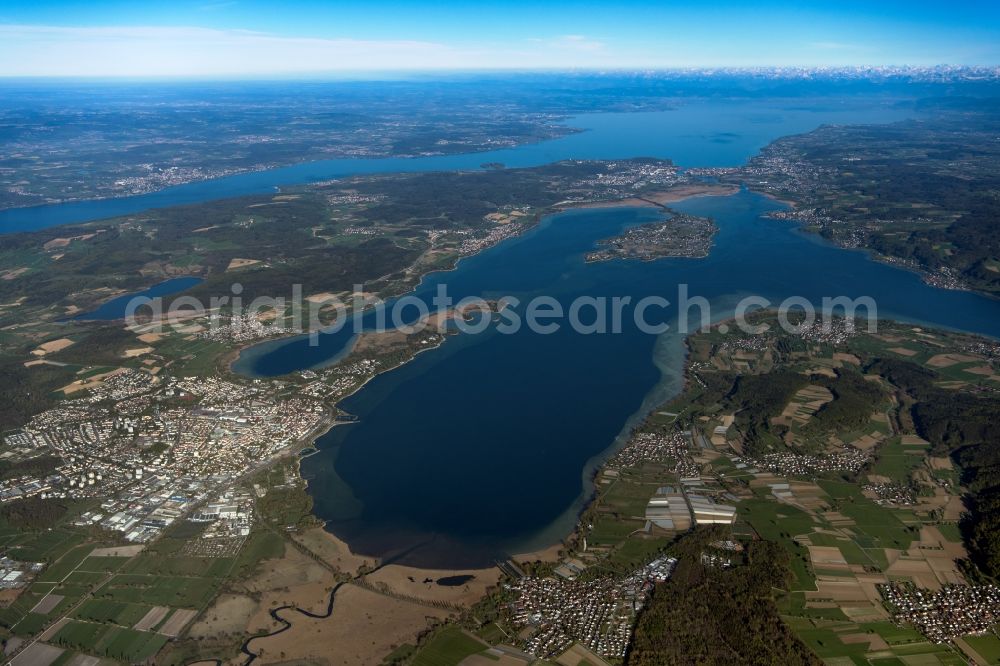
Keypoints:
(680, 236)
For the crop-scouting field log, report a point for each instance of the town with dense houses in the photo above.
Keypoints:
(157, 447)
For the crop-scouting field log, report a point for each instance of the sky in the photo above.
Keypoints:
(248, 38)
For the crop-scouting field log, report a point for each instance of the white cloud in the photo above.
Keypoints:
(577, 43)
(150, 51)
(192, 51)
(33, 50)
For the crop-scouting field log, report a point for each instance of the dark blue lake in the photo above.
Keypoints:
(117, 307)
(484, 445)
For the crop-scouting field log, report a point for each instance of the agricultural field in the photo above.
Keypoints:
(446, 647)
(119, 603)
(893, 519)
(886, 511)
(108, 640)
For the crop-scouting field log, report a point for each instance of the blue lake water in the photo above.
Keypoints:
(117, 307)
(697, 133)
(476, 448)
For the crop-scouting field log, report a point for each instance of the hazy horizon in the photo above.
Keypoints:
(247, 38)
(790, 71)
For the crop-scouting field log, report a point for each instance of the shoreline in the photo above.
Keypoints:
(875, 256)
(657, 199)
(568, 130)
(665, 196)
(546, 547)
(926, 276)
(233, 355)
(773, 197)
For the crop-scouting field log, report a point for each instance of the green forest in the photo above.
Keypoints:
(706, 614)
(965, 427)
